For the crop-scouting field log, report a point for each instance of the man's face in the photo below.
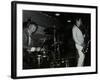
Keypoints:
(32, 28)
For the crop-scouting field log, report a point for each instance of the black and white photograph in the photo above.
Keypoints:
(53, 39)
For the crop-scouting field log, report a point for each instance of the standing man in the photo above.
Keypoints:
(78, 38)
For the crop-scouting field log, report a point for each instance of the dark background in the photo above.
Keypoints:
(64, 23)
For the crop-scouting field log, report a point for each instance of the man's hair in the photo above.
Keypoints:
(83, 19)
(29, 22)
(77, 18)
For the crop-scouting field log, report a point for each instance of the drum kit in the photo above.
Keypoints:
(49, 54)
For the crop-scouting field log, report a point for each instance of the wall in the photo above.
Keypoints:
(5, 40)
(38, 17)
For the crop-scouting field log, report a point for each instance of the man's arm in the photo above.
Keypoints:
(25, 40)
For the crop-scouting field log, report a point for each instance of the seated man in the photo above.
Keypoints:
(29, 29)
(27, 34)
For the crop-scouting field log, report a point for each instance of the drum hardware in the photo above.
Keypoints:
(54, 47)
(49, 53)
(39, 59)
(67, 62)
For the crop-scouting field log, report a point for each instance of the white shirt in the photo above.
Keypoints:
(77, 35)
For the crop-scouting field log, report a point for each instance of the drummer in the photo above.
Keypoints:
(29, 29)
